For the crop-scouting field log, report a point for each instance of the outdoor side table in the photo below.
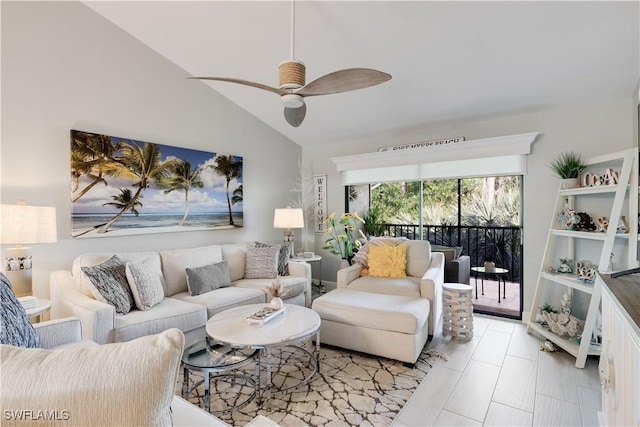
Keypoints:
(498, 273)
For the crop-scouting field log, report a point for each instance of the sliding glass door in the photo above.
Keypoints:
(480, 215)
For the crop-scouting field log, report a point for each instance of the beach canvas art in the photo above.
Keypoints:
(121, 186)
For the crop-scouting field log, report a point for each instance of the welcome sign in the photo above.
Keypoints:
(320, 202)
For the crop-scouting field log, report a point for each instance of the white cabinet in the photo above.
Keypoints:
(620, 359)
(613, 199)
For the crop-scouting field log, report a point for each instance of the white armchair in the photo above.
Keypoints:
(63, 333)
(387, 316)
(425, 277)
(60, 332)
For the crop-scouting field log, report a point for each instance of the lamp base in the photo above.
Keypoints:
(288, 241)
(17, 268)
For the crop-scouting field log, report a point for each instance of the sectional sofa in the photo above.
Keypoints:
(72, 294)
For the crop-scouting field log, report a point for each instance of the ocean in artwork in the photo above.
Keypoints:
(85, 223)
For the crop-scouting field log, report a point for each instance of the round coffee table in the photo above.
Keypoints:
(294, 326)
(213, 358)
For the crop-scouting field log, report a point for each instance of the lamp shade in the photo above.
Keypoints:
(25, 225)
(288, 218)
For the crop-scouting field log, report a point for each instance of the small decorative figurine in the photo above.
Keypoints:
(603, 223)
(565, 266)
(548, 346)
(585, 222)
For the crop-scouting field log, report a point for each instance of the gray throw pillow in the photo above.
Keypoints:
(111, 286)
(262, 263)
(283, 257)
(204, 279)
(145, 285)
(15, 327)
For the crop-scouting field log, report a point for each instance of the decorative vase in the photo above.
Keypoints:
(276, 303)
(344, 263)
(489, 266)
(568, 183)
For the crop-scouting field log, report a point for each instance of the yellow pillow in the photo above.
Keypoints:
(388, 261)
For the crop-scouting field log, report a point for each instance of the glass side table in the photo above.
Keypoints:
(220, 360)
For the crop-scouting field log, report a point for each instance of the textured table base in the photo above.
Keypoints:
(457, 308)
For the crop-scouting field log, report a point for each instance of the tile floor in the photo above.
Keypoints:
(501, 378)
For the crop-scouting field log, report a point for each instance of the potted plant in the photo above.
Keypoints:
(568, 166)
(489, 265)
(341, 239)
(372, 222)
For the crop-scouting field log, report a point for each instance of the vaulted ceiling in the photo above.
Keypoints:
(450, 61)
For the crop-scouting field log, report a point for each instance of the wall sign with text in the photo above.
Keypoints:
(320, 202)
(423, 144)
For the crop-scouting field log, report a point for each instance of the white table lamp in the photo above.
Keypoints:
(24, 225)
(288, 218)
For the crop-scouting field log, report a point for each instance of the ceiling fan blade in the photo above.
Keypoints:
(295, 116)
(244, 82)
(344, 81)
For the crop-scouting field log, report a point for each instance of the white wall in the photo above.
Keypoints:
(65, 67)
(593, 129)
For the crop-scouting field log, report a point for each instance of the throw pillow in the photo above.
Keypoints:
(111, 286)
(146, 286)
(262, 263)
(362, 256)
(122, 384)
(449, 253)
(204, 279)
(457, 251)
(418, 257)
(15, 327)
(388, 261)
(283, 257)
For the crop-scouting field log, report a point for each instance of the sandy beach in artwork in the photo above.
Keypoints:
(113, 232)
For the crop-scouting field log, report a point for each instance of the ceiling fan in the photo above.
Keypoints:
(293, 90)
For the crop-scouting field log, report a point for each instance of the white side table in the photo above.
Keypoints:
(314, 258)
(42, 306)
(457, 311)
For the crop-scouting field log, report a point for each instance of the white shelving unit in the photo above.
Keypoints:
(612, 198)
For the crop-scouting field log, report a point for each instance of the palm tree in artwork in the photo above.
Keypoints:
(229, 168)
(123, 200)
(143, 167)
(182, 178)
(237, 195)
(91, 155)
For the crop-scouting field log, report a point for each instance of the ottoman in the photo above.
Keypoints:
(391, 326)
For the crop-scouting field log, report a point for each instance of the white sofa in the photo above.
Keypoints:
(65, 335)
(70, 297)
(386, 316)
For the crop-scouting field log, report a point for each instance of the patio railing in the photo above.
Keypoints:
(502, 244)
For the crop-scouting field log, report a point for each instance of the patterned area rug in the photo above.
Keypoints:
(351, 389)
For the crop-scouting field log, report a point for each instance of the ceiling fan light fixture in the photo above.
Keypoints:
(292, 100)
(292, 74)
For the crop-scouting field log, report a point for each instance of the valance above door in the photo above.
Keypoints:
(505, 155)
